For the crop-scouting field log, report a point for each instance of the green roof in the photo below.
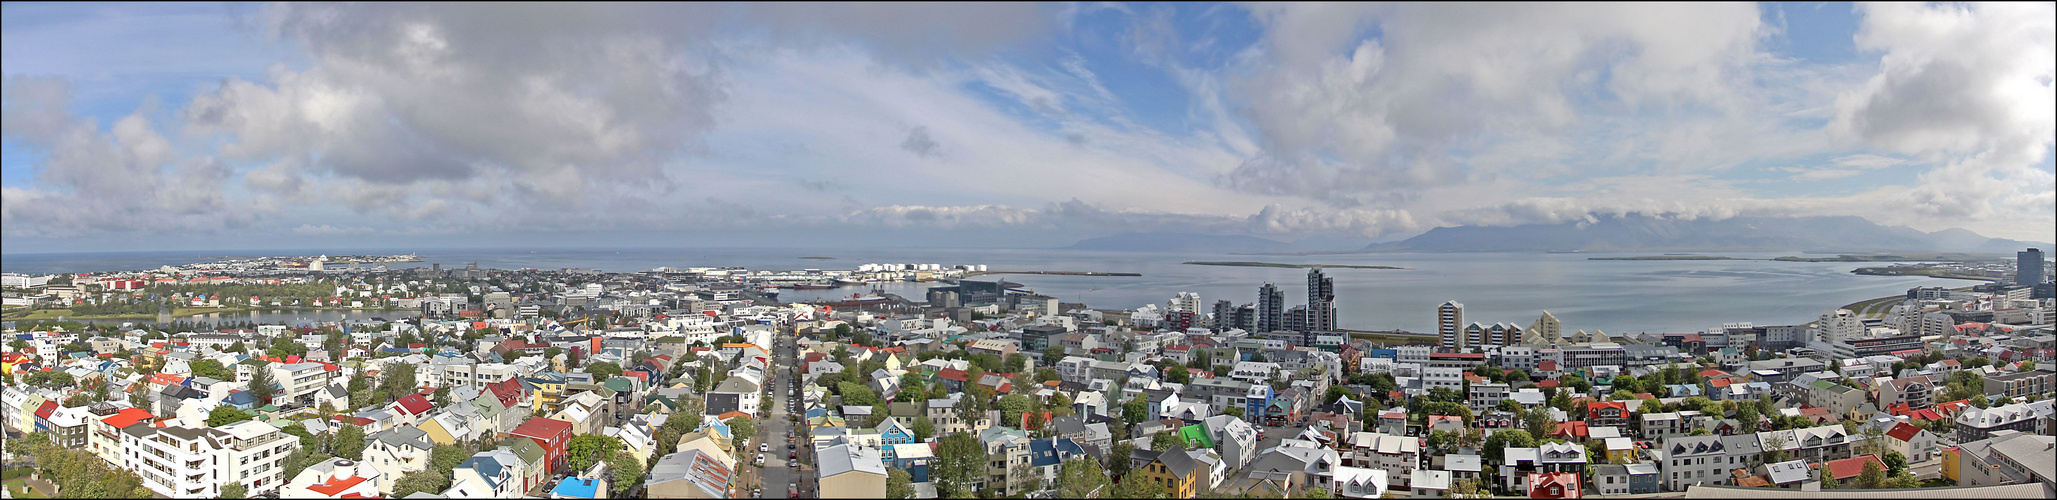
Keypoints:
(1196, 434)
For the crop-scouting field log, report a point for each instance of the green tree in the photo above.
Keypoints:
(1117, 459)
(1166, 441)
(1017, 363)
(1538, 423)
(234, 490)
(349, 442)
(899, 484)
(223, 415)
(261, 383)
(396, 381)
(1895, 463)
(1011, 408)
(857, 394)
(1872, 477)
(1080, 477)
(603, 370)
(211, 369)
(1134, 411)
(420, 481)
(585, 450)
(923, 429)
(960, 462)
(744, 427)
(1137, 486)
(627, 471)
(1496, 445)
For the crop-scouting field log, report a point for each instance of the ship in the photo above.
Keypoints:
(816, 285)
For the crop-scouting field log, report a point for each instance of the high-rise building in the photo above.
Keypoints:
(1450, 324)
(1224, 316)
(2028, 267)
(1184, 301)
(1271, 308)
(1321, 301)
(1546, 331)
(1246, 317)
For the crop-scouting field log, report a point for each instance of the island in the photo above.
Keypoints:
(1667, 257)
(811, 257)
(1275, 264)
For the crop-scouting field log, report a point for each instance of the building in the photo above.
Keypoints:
(851, 472)
(2028, 267)
(395, 452)
(1450, 325)
(1520, 464)
(180, 462)
(1321, 301)
(335, 478)
(2008, 457)
(2017, 385)
(1976, 423)
(550, 434)
(693, 473)
(1271, 308)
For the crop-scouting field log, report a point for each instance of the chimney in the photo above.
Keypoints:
(344, 469)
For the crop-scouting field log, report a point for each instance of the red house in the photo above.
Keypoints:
(553, 435)
(1607, 413)
(1553, 485)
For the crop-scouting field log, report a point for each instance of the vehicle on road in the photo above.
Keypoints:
(763, 447)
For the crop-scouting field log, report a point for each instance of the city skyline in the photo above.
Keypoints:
(295, 126)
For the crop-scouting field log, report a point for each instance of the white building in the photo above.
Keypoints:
(335, 478)
(180, 462)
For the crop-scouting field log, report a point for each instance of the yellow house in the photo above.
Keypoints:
(1951, 462)
(1621, 450)
(1177, 472)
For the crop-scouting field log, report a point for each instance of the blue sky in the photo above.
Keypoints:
(267, 125)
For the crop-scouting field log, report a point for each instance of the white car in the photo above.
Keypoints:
(763, 447)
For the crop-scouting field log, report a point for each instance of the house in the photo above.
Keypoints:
(488, 474)
(1519, 465)
(1553, 485)
(1846, 470)
(579, 487)
(1357, 482)
(2008, 457)
(693, 473)
(1607, 413)
(851, 472)
(1979, 423)
(1623, 479)
(395, 452)
(549, 434)
(335, 478)
(1918, 445)
(1177, 471)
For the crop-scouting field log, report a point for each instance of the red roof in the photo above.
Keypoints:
(543, 429)
(1541, 483)
(43, 412)
(1575, 428)
(1547, 365)
(1851, 467)
(335, 485)
(1904, 431)
(952, 374)
(1547, 383)
(413, 404)
(127, 417)
(507, 391)
(732, 414)
(166, 379)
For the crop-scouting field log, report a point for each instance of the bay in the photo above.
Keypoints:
(1615, 296)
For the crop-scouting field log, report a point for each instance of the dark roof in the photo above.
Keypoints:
(1179, 463)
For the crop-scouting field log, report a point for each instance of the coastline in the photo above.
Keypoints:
(1280, 265)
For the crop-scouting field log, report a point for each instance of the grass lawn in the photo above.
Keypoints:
(20, 490)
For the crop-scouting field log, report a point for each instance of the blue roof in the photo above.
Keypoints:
(487, 467)
(577, 487)
(241, 398)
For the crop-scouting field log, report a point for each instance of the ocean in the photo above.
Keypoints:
(1614, 296)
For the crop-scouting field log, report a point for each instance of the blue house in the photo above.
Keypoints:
(892, 432)
(241, 400)
(577, 487)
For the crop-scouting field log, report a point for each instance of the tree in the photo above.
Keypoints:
(1650, 406)
(1137, 486)
(923, 429)
(211, 369)
(1166, 441)
(1315, 493)
(585, 450)
(234, 490)
(1775, 452)
(1117, 459)
(1538, 423)
(1442, 441)
(1135, 410)
(223, 415)
(1873, 476)
(855, 394)
(604, 370)
(744, 428)
(396, 382)
(1080, 477)
(1903, 480)
(626, 470)
(349, 442)
(1895, 463)
(1017, 363)
(420, 481)
(898, 483)
(1496, 445)
(960, 461)
(1011, 408)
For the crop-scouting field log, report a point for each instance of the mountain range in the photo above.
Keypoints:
(1629, 233)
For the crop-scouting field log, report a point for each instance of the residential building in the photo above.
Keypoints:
(335, 478)
(1976, 423)
(180, 462)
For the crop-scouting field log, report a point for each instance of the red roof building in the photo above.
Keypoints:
(551, 434)
(1843, 470)
(413, 405)
(1553, 485)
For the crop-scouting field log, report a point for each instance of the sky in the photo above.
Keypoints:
(218, 126)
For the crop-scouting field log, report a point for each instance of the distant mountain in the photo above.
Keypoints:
(1737, 234)
(1181, 242)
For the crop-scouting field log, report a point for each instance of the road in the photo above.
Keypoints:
(778, 428)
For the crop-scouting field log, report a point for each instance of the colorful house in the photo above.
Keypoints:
(550, 434)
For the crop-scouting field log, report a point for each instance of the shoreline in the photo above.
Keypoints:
(1281, 265)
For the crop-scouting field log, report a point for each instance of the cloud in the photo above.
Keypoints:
(328, 230)
(919, 143)
(1969, 87)
(129, 178)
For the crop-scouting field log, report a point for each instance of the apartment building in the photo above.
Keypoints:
(1687, 460)
(299, 381)
(2017, 385)
(1399, 456)
(180, 462)
(1976, 423)
(395, 452)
